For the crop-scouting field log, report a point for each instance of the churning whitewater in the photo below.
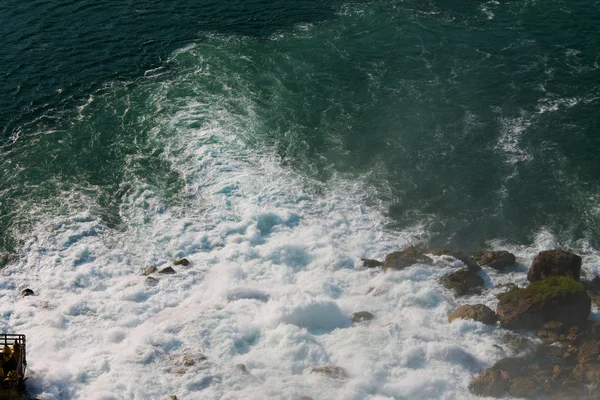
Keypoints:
(274, 163)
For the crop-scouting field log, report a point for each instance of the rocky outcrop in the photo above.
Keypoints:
(26, 292)
(413, 255)
(182, 261)
(497, 260)
(568, 369)
(362, 316)
(553, 299)
(399, 260)
(462, 281)
(477, 312)
(167, 270)
(555, 263)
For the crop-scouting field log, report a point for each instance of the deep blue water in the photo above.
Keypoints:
(478, 120)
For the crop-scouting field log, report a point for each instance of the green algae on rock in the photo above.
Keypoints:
(555, 298)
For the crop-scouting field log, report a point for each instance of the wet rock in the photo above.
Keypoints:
(367, 263)
(401, 259)
(490, 383)
(167, 270)
(497, 260)
(589, 373)
(459, 255)
(589, 352)
(462, 281)
(552, 331)
(555, 263)
(150, 281)
(522, 387)
(477, 312)
(331, 371)
(553, 299)
(173, 397)
(26, 292)
(182, 261)
(242, 368)
(362, 316)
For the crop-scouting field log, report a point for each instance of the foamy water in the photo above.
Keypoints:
(274, 276)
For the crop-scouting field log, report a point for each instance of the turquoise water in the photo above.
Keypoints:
(475, 120)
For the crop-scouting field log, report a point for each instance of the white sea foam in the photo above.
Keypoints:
(273, 280)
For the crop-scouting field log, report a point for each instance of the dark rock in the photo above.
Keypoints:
(522, 387)
(555, 263)
(462, 281)
(27, 292)
(367, 263)
(167, 270)
(553, 299)
(242, 368)
(183, 261)
(459, 255)
(173, 397)
(496, 259)
(362, 316)
(305, 398)
(331, 371)
(477, 312)
(401, 259)
(490, 383)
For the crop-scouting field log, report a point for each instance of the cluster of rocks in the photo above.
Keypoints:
(555, 304)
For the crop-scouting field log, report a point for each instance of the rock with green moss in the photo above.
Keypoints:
(556, 298)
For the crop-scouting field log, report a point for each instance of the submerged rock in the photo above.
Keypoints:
(26, 292)
(477, 312)
(367, 263)
(362, 316)
(331, 371)
(183, 261)
(462, 281)
(459, 255)
(497, 260)
(555, 263)
(553, 299)
(401, 259)
(150, 281)
(167, 270)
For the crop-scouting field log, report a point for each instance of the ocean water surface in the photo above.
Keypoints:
(273, 144)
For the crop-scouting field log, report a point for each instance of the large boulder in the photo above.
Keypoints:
(459, 255)
(497, 260)
(555, 263)
(401, 259)
(556, 298)
(477, 312)
(462, 281)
